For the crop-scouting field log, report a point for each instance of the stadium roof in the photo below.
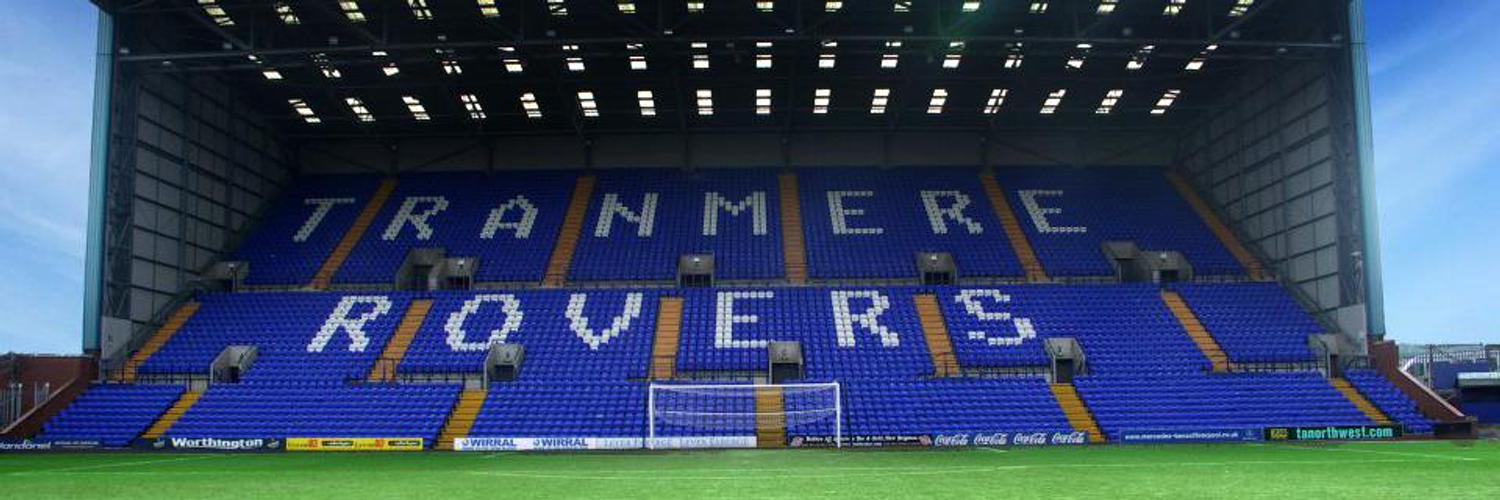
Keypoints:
(347, 68)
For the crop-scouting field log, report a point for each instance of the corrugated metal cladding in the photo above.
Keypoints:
(190, 168)
(1274, 160)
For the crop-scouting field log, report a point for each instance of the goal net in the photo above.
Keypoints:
(734, 415)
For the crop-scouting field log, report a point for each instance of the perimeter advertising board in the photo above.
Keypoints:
(1333, 433)
(1202, 436)
(598, 443)
(997, 439)
(355, 444)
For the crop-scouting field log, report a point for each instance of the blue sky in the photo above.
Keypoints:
(1435, 87)
(1435, 98)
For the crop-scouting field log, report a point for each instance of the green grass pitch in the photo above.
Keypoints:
(1411, 470)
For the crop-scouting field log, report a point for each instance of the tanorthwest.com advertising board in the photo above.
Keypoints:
(1333, 433)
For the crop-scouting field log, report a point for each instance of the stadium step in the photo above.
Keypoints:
(668, 332)
(939, 344)
(793, 246)
(770, 418)
(1196, 331)
(155, 343)
(1252, 265)
(572, 230)
(351, 238)
(1078, 413)
(172, 415)
(1035, 273)
(395, 350)
(1358, 399)
(461, 421)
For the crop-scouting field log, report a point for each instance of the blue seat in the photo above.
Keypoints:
(113, 414)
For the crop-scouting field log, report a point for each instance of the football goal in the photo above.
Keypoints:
(735, 415)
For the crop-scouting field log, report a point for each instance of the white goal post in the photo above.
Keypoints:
(726, 415)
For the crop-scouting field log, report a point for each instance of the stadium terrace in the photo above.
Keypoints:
(561, 225)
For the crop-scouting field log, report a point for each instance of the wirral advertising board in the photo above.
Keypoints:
(598, 443)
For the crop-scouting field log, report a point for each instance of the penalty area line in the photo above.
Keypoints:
(1395, 453)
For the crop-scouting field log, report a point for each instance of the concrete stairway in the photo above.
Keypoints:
(1252, 265)
(1078, 413)
(668, 333)
(157, 340)
(172, 415)
(1358, 399)
(793, 246)
(1196, 331)
(1012, 226)
(572, 231)
(395, 350)
(461, 421)
(935, 329)
(770, 418)
(356, 232)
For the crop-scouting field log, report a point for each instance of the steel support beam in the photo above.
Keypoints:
(682, 40)
(99, 153)
(1365, 152)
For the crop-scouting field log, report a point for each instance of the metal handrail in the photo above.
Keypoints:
(388, 373)
(143, 333)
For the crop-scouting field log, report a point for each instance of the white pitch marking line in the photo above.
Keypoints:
(1398, 443)
(1399, 454)
(995, 450)
(117, 464)
(737, 474)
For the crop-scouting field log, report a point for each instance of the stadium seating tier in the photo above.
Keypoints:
(112, 414)
(588, 352)
(302, 228)
(508, 222)
(1068, 214)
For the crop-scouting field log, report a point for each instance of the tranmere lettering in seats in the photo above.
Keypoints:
(635, 223)
(945, 211)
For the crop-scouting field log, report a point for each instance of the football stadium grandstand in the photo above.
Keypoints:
(485, 225)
